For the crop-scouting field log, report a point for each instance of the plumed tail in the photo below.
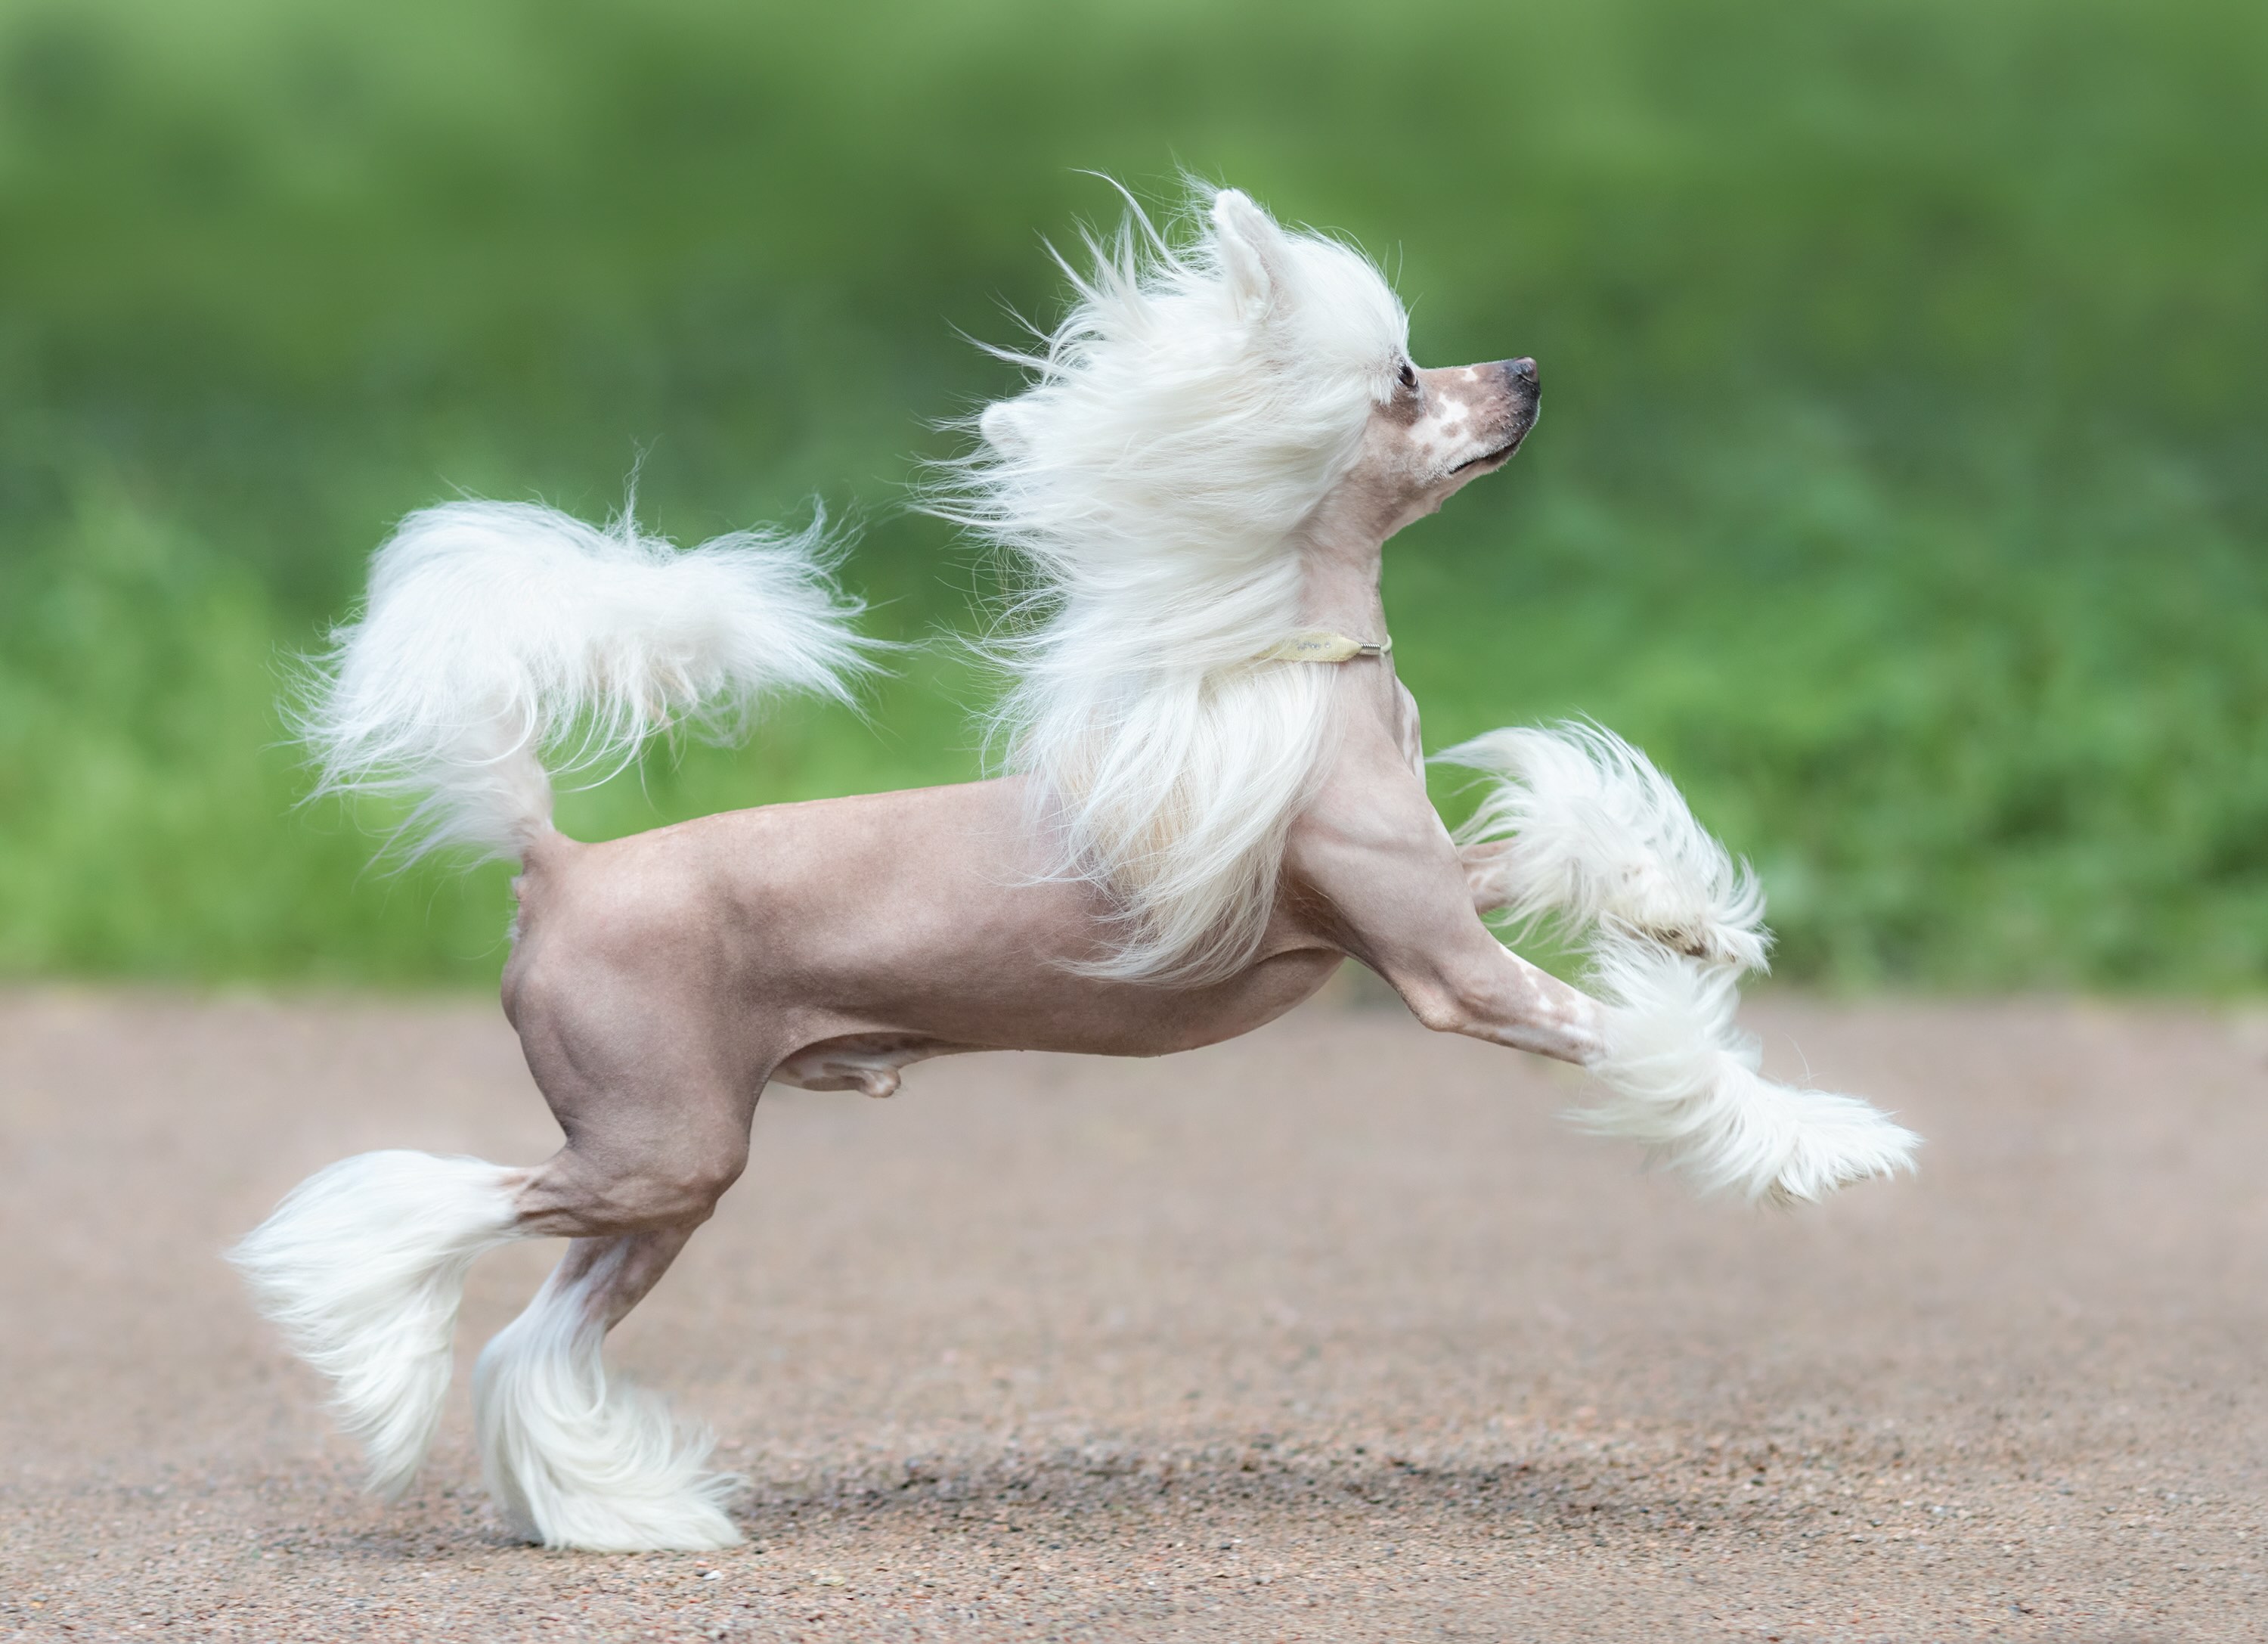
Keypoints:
(502, 640)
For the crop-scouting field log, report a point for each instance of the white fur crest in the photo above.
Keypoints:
(496, 631)
(1581, 827)
(361, 1267)
(1686, 1087)
(574, 1458)
(1193, 408)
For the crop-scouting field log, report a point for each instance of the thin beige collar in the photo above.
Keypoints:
(1321, 644)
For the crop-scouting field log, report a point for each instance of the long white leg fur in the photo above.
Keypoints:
(577, 1458)
(1685, 1085)
(361, 1267)
(1581, 829)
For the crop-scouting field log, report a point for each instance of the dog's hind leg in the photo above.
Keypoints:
(361, 1267)
(364, 1265)
(655, 1089)
(577, 1458)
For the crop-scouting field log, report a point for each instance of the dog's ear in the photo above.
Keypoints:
(1002, 424)
(1251, 249)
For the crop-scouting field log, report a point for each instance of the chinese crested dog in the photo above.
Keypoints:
(1213, 796)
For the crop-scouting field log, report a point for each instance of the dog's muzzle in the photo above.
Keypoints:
(1524, 387)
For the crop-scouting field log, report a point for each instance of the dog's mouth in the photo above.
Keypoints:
(1523, 420)
(1491, 460)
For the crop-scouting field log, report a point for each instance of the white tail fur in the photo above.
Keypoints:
(1583, 829)
(362, 1266)
(576, 1459)
(496, 631)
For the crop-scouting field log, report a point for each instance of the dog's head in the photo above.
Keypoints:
(1324, 319)
(1436, 432)
(1211, 397)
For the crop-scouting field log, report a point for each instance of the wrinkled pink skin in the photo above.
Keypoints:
(659, 982)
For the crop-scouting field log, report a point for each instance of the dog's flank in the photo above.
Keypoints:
(499, 636)
(1209, 457)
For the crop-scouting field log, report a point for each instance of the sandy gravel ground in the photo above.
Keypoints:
(1333, 1333)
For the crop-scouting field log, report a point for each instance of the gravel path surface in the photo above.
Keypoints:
(1335, 1332)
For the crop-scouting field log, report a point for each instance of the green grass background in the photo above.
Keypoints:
(1903, 483)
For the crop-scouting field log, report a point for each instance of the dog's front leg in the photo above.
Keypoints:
(1456, 977)
(1385, 876)
(1381, 873)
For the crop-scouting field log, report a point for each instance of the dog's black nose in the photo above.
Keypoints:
(1521, 371)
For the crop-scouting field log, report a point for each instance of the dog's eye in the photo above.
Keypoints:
(1409, 375)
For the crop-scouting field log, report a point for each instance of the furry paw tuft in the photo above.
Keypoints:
(1582, 829)
(1684, 1086)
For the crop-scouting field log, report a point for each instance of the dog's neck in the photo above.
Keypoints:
(1339, 590)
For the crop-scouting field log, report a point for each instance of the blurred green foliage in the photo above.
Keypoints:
(1902, 484)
